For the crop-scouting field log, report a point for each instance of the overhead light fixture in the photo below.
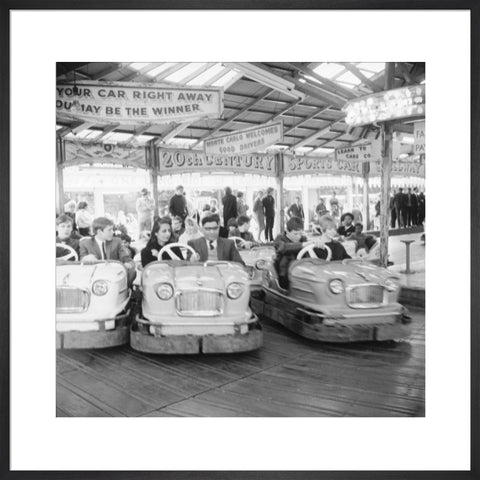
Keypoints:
(269, 79)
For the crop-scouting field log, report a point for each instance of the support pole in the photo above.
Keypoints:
(152, 163)
(386, 134)
(366, 194)
(386, 142)
(281, 199)
(60, 160)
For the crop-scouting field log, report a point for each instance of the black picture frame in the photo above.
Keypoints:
(5, 266)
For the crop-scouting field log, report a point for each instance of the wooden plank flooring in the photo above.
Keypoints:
(288, 376)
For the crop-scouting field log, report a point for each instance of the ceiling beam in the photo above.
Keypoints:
(106, 131)
(327, 85)
(316, 92)
(317, 134)
(64, 68)
(138, 131)
(62, 132)
(233, 118)
(107, 71)
(307, 119)
(174, 68)
(82, 127)
(365, 80)
(197, 72)
(174, 131)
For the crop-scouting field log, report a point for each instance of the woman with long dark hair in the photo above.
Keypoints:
(161, 235)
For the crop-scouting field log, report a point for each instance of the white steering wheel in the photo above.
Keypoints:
(72, 254)
(311, 252)
(240, 240)
(168, 249)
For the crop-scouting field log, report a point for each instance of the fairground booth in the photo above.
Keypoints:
(347, 132)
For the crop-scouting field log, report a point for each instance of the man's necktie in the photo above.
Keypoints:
(103, 251)
(211, 245)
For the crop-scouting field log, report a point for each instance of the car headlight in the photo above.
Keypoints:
(391, 284)
(235, 290)
(261, 264)
(100, 287)
(336, 286)
(164, 291)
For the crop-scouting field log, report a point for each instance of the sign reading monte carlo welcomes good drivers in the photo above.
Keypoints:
(245, 141)
(174, 161)
(127, 103)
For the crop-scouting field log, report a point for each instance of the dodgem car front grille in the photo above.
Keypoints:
(365, 296)
(72, 300)
(200, 303)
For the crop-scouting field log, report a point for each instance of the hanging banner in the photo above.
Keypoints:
(400, 168)
(128, 103)
(77, 153)
(245, 141)
(362, 153)
(187, 161)
(419, 138)
(321, 165)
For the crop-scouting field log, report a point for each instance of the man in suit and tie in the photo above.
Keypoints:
(104, 246)
(296, 209)
(211, 246)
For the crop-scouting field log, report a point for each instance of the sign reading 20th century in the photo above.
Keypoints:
(125, 103)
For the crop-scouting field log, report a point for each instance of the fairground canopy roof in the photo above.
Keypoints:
(308, 97)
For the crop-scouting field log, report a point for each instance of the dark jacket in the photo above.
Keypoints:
(148, 257)
(296, 211)
(269, 206)
(286, 251)
(346, 232)
(178, 206)
(229, 207)
(115, 250)
(71, 242)
(226, 250)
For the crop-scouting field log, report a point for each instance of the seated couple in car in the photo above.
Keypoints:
(208, 247)
(289, 244)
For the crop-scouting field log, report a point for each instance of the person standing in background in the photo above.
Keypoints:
(177, 206)
(334, 206)
(269, 211)
(393, 211)
(242, 207)
(321, 208)
(145, 208)
(296, 210)
(399, 200)
(84, 219)
(229, 206)
(70, 208)
(415, 207)
(258, 213)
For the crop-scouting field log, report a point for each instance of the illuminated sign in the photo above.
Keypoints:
(380, 107)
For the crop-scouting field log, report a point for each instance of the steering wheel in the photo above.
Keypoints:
(173, 256)
(311, 252)
(72, 254)
(240, 240)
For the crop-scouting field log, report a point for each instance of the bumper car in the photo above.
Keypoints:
(255, 260)
(190, 308)
(335, 301)
(92, 304)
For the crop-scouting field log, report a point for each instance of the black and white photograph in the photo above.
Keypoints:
(241, 285)
(240, 239)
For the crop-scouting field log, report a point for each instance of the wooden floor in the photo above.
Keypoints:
(288, 376)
